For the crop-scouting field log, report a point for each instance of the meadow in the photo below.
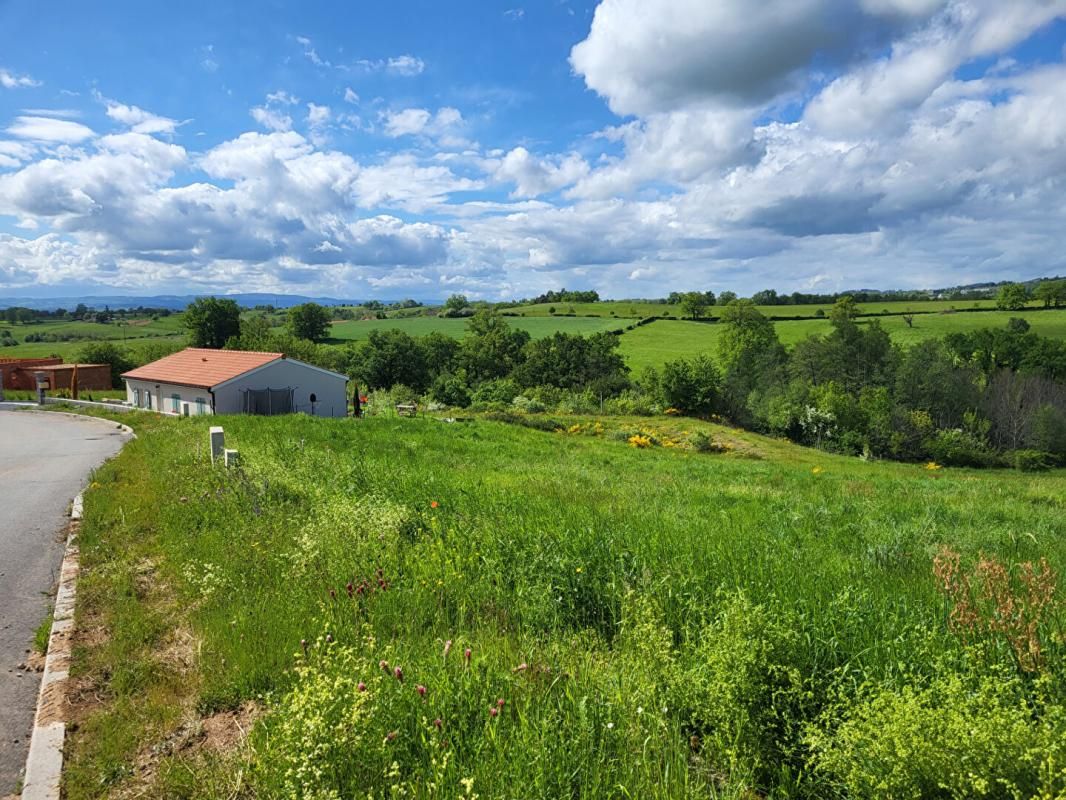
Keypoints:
(608, 607)
(538, 327)
(133, 333)
(665, 340)
(637, 309)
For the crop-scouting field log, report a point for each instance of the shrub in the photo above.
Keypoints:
(450, 390)
(1031, 460)
(959, 448)
(528, 404)
(743, 689)
(953, 738)
(501, 390)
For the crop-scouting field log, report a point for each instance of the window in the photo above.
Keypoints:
(136, 398)
(175, 403)
(201, 405)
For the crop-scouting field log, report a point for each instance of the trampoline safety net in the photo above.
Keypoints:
(268, 402)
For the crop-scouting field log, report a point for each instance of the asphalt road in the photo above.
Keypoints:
(45, 459)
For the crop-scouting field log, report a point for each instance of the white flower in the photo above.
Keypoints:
(610, 725)
(640, 709)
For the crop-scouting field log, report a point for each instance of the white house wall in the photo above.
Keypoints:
(330, 390)
(162, 396)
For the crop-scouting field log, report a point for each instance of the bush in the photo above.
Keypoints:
(501, 390)
(959, 448)
(950, 739)
(528, 404)
(1031, 460)
(450, 390)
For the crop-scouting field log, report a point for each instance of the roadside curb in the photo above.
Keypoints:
(44, 764)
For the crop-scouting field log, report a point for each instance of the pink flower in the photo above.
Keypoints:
(384, 665)
(438, 723)
(493, 711)
(361, 687)
(399, 674)
(500, 702)
(466, 655)
(421, 690)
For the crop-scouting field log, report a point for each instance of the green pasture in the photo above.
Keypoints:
(538, 327)
(664, 340)
(421, 608)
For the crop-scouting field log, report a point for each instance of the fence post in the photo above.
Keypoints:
(217, 441)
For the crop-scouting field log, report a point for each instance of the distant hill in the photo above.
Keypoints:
(174, 302)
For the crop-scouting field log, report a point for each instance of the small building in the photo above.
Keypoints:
(201, 381)
(21, 373)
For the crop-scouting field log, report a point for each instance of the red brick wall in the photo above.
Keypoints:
(18, 372)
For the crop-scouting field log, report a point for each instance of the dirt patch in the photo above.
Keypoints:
(227, 730)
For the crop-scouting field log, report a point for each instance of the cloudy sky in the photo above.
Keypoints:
(415, 149)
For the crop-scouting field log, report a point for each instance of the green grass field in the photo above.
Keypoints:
(664, 340)
(637, 309)
(135, 333)
(538, 327)
(420, 609)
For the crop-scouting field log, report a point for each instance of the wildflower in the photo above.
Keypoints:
(610, 726)
(640, 709)
(521, 667)
(329, 638)
(447, 646)
(434, 504)
(349, 588)
(466, 655)
(332, 594)
(500, 702)
(816, 471)
(493, 711)
(437, 723)
(932, 466)
(399, 674)
(383, 665)
(578, 569)
(391, 736)
(361, 687)
(303, 644)
(421, 690)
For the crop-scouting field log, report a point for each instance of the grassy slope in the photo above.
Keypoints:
(135, 333)
(198, 586)
(652, 344)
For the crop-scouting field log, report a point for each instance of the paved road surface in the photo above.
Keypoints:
(45, 460)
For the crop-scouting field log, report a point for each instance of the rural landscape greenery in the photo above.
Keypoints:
(761, 565)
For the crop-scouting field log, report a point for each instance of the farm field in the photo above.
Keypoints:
(538, 327)
(135, 333)
(636, 309)
(664, 340)
(468, 608)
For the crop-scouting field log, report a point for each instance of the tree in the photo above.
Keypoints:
(455, 306)
(1052, 293)
(1012, 297)
(211, 321)
(692, 387)
(309, 321)
(844, 309)
(749, 353)
(390, 357)
(909, 319)
(767, 297)
(569, 361)
(492, 348)
(693, 304)
(726, 297)
(107, 353)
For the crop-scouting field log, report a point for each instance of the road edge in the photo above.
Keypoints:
(42, 779)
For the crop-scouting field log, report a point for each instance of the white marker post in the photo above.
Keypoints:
(218, 442)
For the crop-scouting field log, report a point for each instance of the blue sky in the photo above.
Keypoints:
(631, 146)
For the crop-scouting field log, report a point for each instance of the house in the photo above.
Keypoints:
(21, 373)
(200, 381)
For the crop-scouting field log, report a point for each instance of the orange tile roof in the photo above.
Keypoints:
(201, 367)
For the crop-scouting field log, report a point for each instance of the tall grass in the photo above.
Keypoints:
(656, 623)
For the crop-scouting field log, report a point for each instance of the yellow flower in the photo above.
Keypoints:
(578, 569)
(932, 466)
(640, 441)
(817, 470)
